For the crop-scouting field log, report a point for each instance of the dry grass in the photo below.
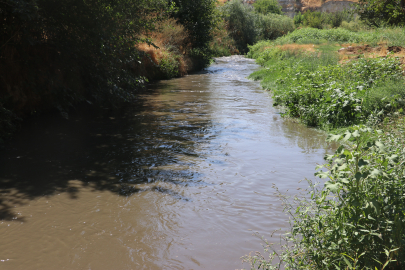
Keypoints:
(298, 47)
(319, 3)
(354, 51)
(221, 2)
(171, 40)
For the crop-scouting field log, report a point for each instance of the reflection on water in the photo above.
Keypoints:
(175, 181)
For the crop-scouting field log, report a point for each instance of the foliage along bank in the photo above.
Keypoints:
(354, 219)
(57, 54)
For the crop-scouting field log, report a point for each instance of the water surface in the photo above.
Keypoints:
(179, 180)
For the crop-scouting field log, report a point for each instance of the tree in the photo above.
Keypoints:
(267, 6)
(197, 16)
(380, 12)
(240, 20)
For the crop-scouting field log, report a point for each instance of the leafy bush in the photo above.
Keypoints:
(272, 26)
(379, 13)
(240, 21)
(353, 26)
(267, 6)
(298, 19)
(335, 19)
(246, 27)
(198, 17)
(313, 19)
(356, 220)
(222, 43)
(320, 20)
(60, 53)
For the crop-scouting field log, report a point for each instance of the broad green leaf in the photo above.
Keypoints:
(322, 174)
(339, 160)
(319, 167)
(363, 162)
(348, 135)
(332, 187)
(333, 138)
(380, 146)
(394, 158)
(375, 173)
(345, 180)
(356, 134)
(343, 167)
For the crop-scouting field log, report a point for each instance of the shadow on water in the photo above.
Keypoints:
(104, 150)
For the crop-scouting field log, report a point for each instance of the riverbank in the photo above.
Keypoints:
(334, 78)
(350, 84)
(56, 58)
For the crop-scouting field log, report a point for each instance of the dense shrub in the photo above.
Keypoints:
(298, 19)
(313, 19)
(58, 53)
(272, 26)
(222, 44)
(379, 13)
(240, 20)
(246, 26)
(354, 26)
(320, 20)
(198, 18)
(267, 6)
(335, 19)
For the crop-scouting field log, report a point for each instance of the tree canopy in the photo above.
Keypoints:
(382, 12)
(267, 6)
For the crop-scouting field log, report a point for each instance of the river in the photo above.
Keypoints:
(179, 180)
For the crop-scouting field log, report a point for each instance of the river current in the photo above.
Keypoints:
(179, 180)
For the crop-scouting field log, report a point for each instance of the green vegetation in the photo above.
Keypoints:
(315, 88)
(356, 220)
(267, 6)
(331, 96)
(247, 25)
(392, 36)
(379, 13)
(325, 20)
(57, 54)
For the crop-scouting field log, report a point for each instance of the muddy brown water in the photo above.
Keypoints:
(178, 181)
